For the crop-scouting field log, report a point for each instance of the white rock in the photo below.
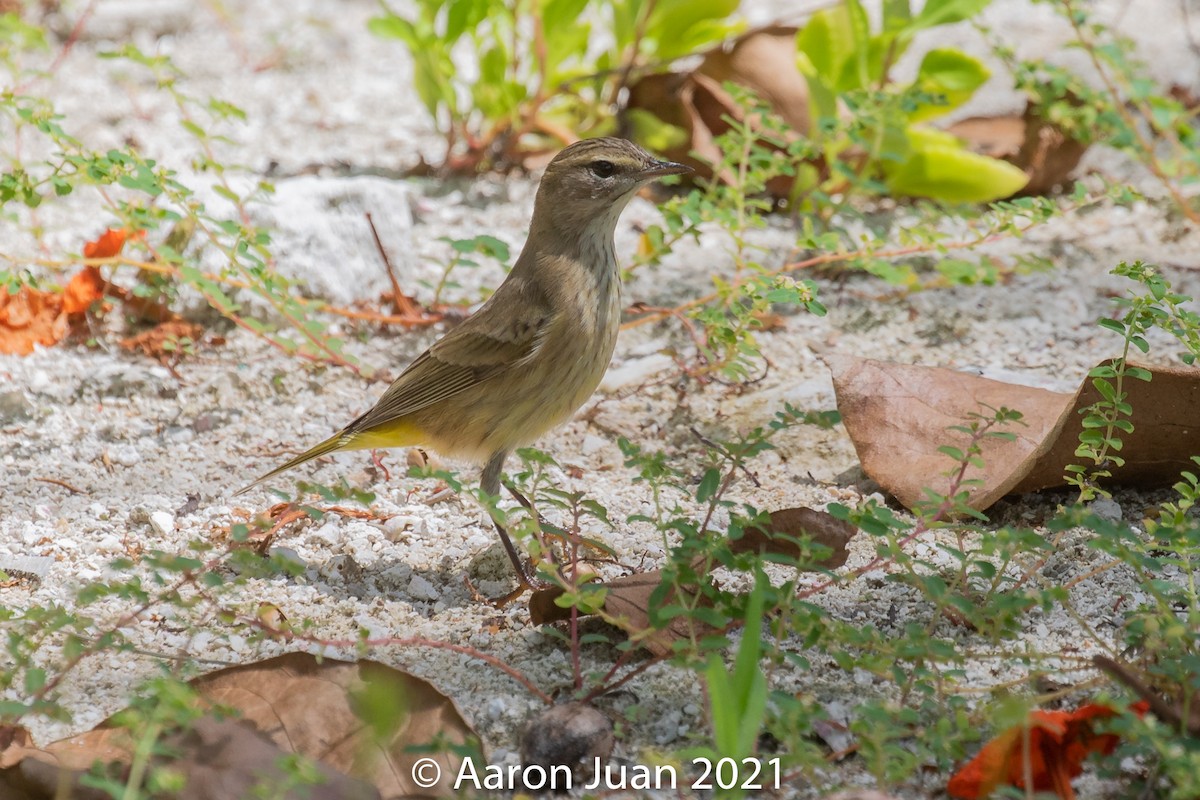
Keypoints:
(1106, 508)
(162, 522)
(125, 454)
(421, 589)
(497, 708)
(400, 526)
(109, 543)
(593, 444)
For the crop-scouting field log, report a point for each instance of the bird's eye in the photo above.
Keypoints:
(602, 169)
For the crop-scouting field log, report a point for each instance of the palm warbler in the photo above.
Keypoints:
(537, 349)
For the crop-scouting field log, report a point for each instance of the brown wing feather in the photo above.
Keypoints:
(475, 351)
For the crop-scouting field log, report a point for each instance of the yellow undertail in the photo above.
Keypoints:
(399, 434)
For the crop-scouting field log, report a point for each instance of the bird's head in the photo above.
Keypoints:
(588, 184)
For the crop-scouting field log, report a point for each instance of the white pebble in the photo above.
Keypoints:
(109, 543)
(398, 527)
(125, 454)
(497, 708)
(592, 444)
(421, 589)
(162, 522)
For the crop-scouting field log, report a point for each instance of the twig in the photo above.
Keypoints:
(400, 301)
(64, 484)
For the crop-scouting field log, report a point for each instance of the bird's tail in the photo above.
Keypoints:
(335, 442)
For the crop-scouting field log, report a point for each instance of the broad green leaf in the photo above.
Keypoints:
(858, 72)
(566, 37)
(680, 27)
(827, 43)
(559, 14)
(896, 14)
(655, 134)
(395, 27)
(952, 74)
(821, 95)
(938, 167)
(944, 12)
(463, 15)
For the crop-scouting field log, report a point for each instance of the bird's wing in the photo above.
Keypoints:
(482, 347)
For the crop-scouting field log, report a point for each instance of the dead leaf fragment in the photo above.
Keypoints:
(165, 340)
(360, 719)
(29, 318)
(627, 605)
(85, 288)
(628, 600)
(790, 528)
(762, 60)
(109, 243)
(898, 415)
(1049, 748)
(220, 759)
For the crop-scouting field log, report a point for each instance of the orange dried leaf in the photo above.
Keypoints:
(108, 245)
(28, 318)
(1051, 748)
(85, 288)
(164, 341)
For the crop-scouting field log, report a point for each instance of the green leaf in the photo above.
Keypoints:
(708, 485)
(462, 15)
(681, 27)
(950, 73)
(652, 132)
(938, 167)
(832, 42)
(896, 14)
(944, 12)
(35, 679)
(394, 27)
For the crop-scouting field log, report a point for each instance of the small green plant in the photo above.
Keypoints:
(462, 252)
(1151, 305)
(882, 143)
(538, 79)
(1128, 110)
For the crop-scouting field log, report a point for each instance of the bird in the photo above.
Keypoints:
(537, 349)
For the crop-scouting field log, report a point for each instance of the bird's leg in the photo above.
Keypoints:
(554, 530)
(489, 481)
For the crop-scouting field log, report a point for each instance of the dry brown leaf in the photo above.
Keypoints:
(762, 60)
(1042, 149)
(329, 711)
(221, 759)
(29, 318)
(85, 288)
(317, 709)
(628, 605)
(628, 598)
(898, 415)
(788, 530)
(162, 342)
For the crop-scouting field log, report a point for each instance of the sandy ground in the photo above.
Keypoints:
(138, 441)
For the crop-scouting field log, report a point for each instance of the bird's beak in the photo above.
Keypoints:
(657, 169)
